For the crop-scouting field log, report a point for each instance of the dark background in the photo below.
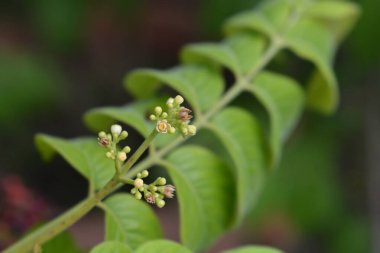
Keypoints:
(60, 58)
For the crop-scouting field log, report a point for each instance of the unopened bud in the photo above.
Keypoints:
(102, 134)
(172, 130)
(144, 173)
(138, 195)
(116, 129)
(123, 135)
(138, 183)
(152, 117)
(161, 181)
(179, 99)
(160, 203)
(184, 131)
(121, 156)
(158, 110)
(170, 102)
(192, 129)
(127, 149)
(109, 155)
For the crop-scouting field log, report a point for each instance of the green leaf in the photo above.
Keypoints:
(63, 243)
(269, 18)
(338, 16)
(111, 247)
(133, 114)
(254, 249)
(242, 137)
(283, 98)
(83, 154)
(313, 42)
(239, 52)
(162, 246)
(202, 86)
(308, 37)
(206, 195)
(130, 221)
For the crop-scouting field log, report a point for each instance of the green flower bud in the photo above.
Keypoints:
(184, 131)
(158, 110)
(160, 203)
(102, 134)
(144, 173)
(171, 130)
(170, 102)
(152, 117)
(110, 155)
(127, 149)
(123, 135)
(138, 195)
(161, 181)
(134, 190)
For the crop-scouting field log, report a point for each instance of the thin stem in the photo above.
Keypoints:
(133, 159)
(126, 180)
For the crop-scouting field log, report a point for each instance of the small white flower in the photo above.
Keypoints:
(163, 126)
(116, 129)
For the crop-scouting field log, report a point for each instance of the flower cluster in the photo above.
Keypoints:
(153, 193)
(111, 140)
(176, 117)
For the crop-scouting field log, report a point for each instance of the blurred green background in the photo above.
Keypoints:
(60, 58)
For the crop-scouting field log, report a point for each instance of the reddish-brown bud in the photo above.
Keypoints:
(103, 141)
(184, 114)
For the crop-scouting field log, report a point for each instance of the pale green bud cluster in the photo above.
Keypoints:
(110, 141)
(153, 193)
(176, 117)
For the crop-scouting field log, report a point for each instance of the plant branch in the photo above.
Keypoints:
(71, 216)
